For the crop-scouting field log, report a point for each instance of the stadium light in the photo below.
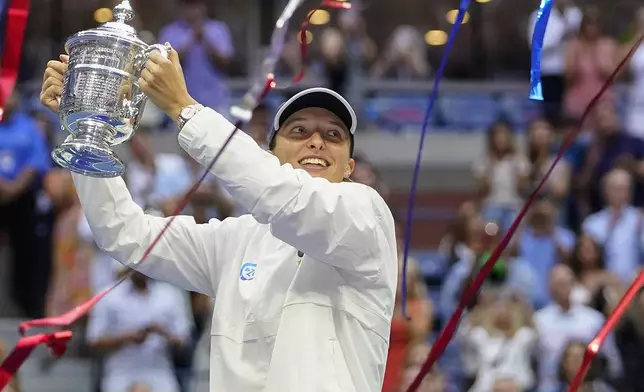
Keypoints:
(320, 17)
(436, 37)
(103, 15)
(452, 14)
(309, 37)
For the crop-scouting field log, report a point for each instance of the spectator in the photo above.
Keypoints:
(541, 156)
(171, 182)
(611, 148)
(354, 28)
(24, 161)
(404, 56)
(509, 273)
(501, 174)
(405, 334)
(501, 339)
(206, 50)
(333, 47)
(590, 59)
(564, 22)
(140, 172)
(158, 181)
(260, 125)
(135, 328)
(453, 244)
(542, 243)
(562, 321)
(104, 270)
(635, 107)
(587, 262)
(618, 227)
(361, 52)
(71, 283)
(571, 361)
(210, 200)
(290, 61)
(575, 204)
(366, 173)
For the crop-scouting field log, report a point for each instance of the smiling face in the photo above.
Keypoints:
(315, 140)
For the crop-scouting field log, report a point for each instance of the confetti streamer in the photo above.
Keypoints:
(543, 14)
(244, 110)
(472, 290)
(462, 9)
(259, 89)
(17, 15)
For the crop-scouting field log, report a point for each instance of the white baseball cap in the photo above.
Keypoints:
(317, 97)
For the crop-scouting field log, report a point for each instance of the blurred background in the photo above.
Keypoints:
(488, 146)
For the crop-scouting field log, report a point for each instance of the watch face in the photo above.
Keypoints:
(188, 112)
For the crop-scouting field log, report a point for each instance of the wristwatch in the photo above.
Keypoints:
(187, 113)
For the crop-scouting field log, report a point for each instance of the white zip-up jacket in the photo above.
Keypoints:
(279, 324)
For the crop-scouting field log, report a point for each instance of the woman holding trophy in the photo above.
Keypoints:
(305, 283)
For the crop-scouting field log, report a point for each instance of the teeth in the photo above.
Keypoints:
(313, 161)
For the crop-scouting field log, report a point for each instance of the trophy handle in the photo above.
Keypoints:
(161, 48)
(132, 106)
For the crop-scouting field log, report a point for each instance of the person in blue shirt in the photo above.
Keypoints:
(24, 161)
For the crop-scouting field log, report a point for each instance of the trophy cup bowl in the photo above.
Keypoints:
(102, 103)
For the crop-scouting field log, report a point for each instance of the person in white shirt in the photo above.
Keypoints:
(564, 22)
(304, 285)
(500, 340)
(634, 122)
(619, 227)
(563, 321)
(136, 328)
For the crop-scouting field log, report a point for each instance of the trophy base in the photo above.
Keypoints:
(91, 160)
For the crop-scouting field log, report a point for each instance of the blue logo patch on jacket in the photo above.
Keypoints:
(247, 271)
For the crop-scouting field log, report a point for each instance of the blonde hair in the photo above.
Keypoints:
(516, 313)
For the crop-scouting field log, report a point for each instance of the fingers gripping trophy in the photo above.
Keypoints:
(97, 93)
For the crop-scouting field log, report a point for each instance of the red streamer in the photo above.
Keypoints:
(57, 341)
(473, 288)
(17, 15)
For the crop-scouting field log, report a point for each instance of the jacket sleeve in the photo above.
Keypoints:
(347, 225)
(187, 254)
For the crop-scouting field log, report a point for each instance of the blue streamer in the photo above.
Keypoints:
(462, 9)
(543, 14)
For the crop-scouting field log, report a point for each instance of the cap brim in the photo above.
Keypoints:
(317, 97)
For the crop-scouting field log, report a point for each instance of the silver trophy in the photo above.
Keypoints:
(102, 103)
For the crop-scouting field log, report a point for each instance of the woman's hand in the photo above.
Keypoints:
(163, 82)
(52, 83)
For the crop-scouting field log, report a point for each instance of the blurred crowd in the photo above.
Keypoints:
(578, 249)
